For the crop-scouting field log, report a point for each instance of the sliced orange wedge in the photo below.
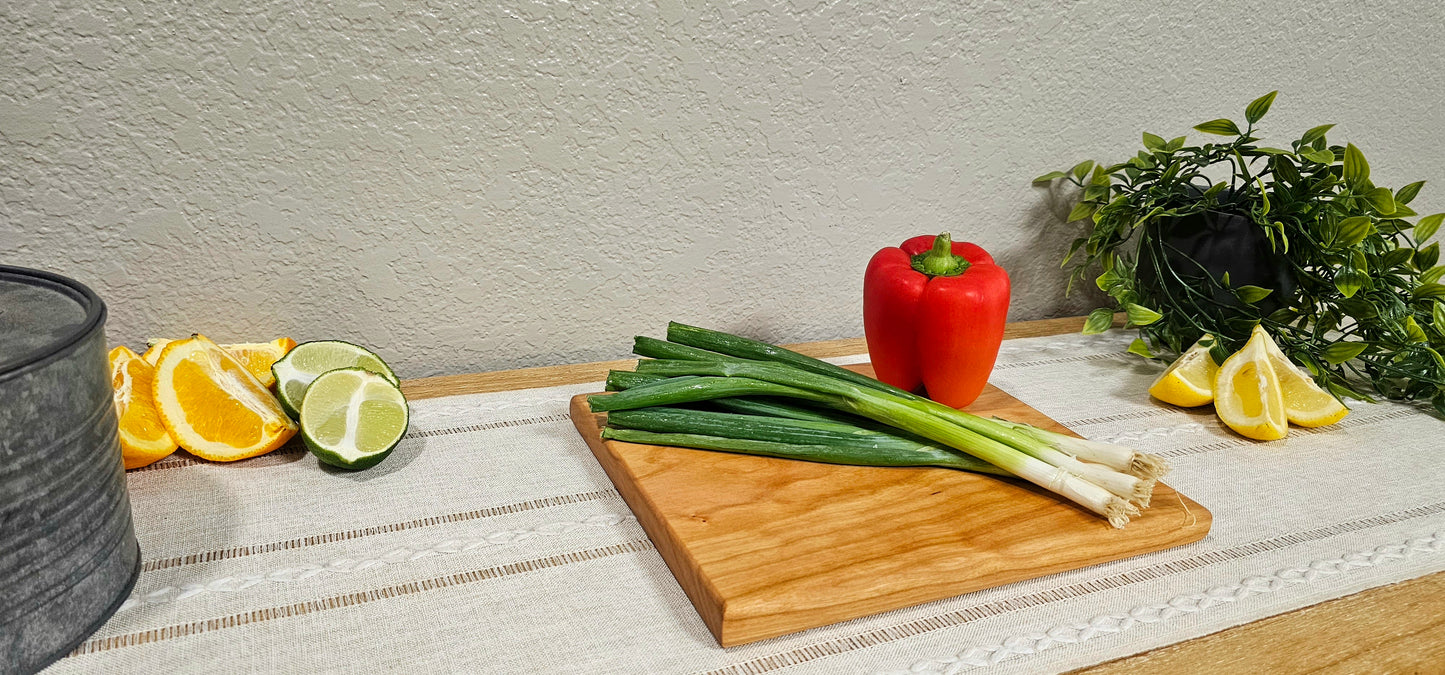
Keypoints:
(213, 406)
(256, 356)
(143, 437)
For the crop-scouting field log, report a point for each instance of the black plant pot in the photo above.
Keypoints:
(1218, 243)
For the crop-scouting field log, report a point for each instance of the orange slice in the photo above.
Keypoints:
(259, 356)
(256, 356)
(143, 437)
(213, 406)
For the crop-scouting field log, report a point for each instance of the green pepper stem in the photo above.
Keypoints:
(940, 261)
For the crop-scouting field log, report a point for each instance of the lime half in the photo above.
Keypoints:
(308, 360)
(352, 418)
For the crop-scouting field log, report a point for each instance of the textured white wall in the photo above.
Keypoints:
(467, 187)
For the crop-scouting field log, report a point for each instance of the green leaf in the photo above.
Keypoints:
(1099, 321)
(1273, 151)
(1107, 281)
(1352, 230)
(1357, 170)
(1081, 211)
(1426, 227)
(1315, 134)
(1426, 258)
(1402, 211)
(1349, 281)
(1382, 200)
(1406, 194)
(1259, 107)
(1154, 142)
(1432, 275)
(1438, 312)
(1219, 127)
(1252, 294)
(1434, 291)
(1140, 315)
(1413, 330)
(1215, 189)
(1341, 352)
(1391, 259)
(1174, 144)
(1225, 279)
(1318, 156)
(1050, 176)
(1082, 168)
(1139, 347)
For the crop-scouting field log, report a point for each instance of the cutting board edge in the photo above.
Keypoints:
(740, 627)
(706, 599)
(732, 623)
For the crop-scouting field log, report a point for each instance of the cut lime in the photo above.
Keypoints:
(308, 360)
(352, 418)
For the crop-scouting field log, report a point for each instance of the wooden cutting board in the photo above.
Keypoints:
(765, 547)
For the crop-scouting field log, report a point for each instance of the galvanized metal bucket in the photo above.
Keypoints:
(68, 552)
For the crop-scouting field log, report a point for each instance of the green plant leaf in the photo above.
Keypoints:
(1215, 189)
(1219, 127)
(1099, 321)
(1426, 258)
(1434, 291)
(1140, 315)
(1349, 281)
(1352, 230)
(1140, 348)
(1318, 156)
(1080, 211)
(1341, 352)
(1154, 142)
(1438, 313)
(1082, 169)
(1272, 151)
(1357, 170)
(1252, 294)
(1397, 257)
(1432, 275)
(1225, 279)
(1426, 227)
(1107, 281)
(1174, 144)
(1315, 134)
(1050, 176)
(1259, 107)
(1402, 211)
(1382, 200)
(1407, 194)
(1412, 330)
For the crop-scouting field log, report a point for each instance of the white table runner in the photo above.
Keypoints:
(491, 541)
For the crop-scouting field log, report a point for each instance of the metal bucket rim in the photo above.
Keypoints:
(94, 317)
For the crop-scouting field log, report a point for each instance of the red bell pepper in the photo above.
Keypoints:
(933, 314)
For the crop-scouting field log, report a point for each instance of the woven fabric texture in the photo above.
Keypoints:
(491, 541)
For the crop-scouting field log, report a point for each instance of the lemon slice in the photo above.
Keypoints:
(143, 437)
(1247, 395)
(1305, 403)
(1189, 381)
(213, 407)
(352, 417)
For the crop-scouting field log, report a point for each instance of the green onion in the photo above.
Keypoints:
(722, 379)
(741, 347)
(830, 442)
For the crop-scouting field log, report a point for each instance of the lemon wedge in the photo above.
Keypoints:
(1305, 403)
(1189, 381)
(1247, 393)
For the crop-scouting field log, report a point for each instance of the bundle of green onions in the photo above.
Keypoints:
(715, 391)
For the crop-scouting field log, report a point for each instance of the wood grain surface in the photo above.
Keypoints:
(1391, 629)
(765, 546)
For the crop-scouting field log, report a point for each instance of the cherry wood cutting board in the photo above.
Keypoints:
(765, 546)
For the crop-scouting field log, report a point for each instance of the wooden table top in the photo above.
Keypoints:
(1398, 628)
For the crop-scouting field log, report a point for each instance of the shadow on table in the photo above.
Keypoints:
(404, 454)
